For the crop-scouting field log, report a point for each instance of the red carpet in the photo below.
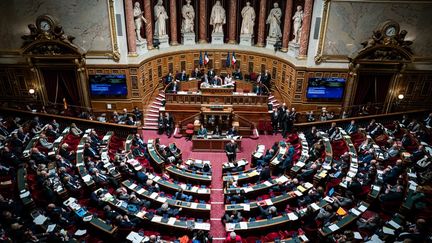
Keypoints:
(216, 158)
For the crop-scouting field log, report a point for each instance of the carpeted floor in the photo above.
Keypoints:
(217, 159)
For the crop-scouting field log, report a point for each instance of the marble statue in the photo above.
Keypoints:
(217, 17)
(248, 22)
(139, 18)
(274, 20)
(188, 14)
(161, 16)
(297, 23)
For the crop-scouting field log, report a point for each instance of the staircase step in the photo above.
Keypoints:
(150, 119)
(154, 111)
(271, 97)
(160, 98)
(152, 115)
(161, 95)
(150, 124)
(157, 103)
(155, 106)
(150, 128)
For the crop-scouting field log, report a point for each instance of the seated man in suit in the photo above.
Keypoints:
(169, 78)
(217, 131)
(202, 131)
(196, 73)
(232, 131)
(180, 195)
(232, 217)
(238, 74)
(174, 87)
(90, 152)
(211, 73)
(43, 141)
(332, 129)
(216, 81)
(182, 76)
(352, 128)
(166, 210)
(269, 212)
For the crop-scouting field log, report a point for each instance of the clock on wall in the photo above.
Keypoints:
(390, 28)
(45, 23)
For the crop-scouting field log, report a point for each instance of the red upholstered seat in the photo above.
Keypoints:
(190, 129)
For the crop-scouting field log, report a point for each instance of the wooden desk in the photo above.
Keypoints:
(212, 144)
(201, 209)
(188, 176)
(219, 90)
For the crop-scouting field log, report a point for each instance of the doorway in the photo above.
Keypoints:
(372, 88)
(61, 84)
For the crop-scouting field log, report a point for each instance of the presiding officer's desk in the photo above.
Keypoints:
(213, 144)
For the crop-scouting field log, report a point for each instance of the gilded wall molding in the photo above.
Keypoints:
(114, 53)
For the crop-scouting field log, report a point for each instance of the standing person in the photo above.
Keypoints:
(275, 120)
(169, 123)
(231, 151)
(161, 124)
(285, 123)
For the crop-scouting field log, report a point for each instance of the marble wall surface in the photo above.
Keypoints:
(87, 21)
(352, 22)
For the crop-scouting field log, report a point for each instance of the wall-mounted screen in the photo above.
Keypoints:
(325, 88)
(108, 85)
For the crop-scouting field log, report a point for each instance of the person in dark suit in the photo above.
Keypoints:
(281, 110)
(275, 120)
(182, 76)
(352, 127)
(285, 123)
(232, 131)
(169, 124)
(38, 156)
(169, 78)
(231, 151)
(174, 87)
(161, 124)
(90, 152)
(266, 80)
(216, 80)
(269, 212)
(238, 74)
(217, 131)
(211, 73)
(428, 120)
(196, 73)
(66, 154)
(332, 129)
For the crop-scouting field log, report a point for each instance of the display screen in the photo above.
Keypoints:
(325, 88)
(108, 85)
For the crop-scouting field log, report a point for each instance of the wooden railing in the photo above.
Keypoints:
(119, 129)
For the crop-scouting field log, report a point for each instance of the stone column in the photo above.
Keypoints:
(149, 26)
(304, 39)
(173, 21)
(130, 27)
(262, 23)
(287, 25)
(202, 22)
(232, 22)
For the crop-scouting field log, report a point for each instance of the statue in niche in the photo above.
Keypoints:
(217, 17)
(138, 18)
(188, 14)
(161, 16)
(274, 20)
(297, 23)
(248, 15)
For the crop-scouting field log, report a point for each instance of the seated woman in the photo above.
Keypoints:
(202, 131)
